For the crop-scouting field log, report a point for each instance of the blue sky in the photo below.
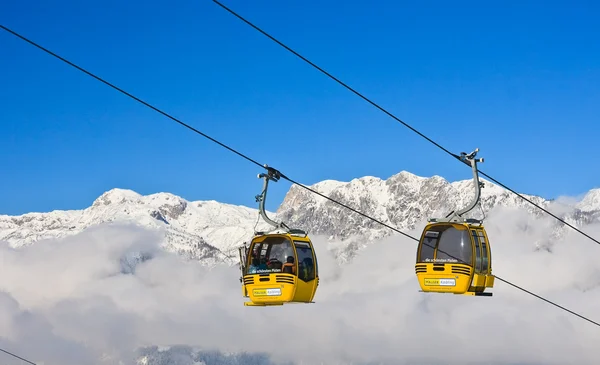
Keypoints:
(521, 82)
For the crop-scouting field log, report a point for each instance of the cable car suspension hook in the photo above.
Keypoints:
(469, 159)
(454, 216)
(274, 175)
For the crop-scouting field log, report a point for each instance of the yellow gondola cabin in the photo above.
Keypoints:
(281, 267)
(454, 253)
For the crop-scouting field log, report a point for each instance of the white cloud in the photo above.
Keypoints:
(67, 301)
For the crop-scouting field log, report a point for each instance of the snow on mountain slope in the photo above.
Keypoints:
(590, 202)
(204, 230)
(211, 231)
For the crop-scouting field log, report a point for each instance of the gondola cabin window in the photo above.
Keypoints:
(428, 248)
(482, 252)
(306, 265)
(478, 267)
(451, 245)
(270, 255)
(454, 246)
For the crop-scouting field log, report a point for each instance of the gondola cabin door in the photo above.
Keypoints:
(308, 278)
(482, 277)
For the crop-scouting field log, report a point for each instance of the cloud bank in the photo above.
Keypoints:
(92, 299)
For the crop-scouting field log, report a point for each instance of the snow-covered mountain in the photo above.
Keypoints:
(211, 231)
(203, 230)
(405, 200)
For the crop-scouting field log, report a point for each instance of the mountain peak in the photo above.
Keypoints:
(591, 200)
(410, 176)
(116, 196)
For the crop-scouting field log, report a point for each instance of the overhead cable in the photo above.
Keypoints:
(18, 357)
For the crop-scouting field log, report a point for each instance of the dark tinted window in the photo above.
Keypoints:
(454, 246)
(306, 264)
(478, 266)
(428, 246)
(484, 250)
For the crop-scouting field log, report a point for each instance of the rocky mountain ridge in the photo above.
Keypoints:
(405, 200)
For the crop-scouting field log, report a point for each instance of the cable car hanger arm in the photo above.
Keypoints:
(454, 216)
(274, 175)
(472, 161)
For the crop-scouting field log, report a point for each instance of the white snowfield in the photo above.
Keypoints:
(211, 231)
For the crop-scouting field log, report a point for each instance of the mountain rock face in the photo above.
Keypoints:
(210, 231)
(405, 200)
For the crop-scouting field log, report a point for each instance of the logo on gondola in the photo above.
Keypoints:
(440, 282)
(441, 260)
(266, 292)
